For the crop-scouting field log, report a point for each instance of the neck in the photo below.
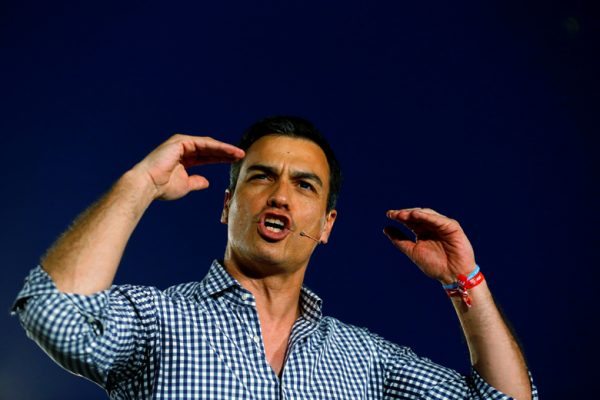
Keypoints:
(277, 294)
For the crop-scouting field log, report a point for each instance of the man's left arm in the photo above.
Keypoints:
(443, 252)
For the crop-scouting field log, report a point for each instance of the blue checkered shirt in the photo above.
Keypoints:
(202, 340)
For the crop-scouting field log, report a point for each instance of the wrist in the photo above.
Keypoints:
(138, 185)
(452, 274)
(460, 288)
(462, 279)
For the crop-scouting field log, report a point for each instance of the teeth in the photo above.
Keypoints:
(274, 225)
(274, 221)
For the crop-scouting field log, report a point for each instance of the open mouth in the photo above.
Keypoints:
(274, 227)
(274, 224)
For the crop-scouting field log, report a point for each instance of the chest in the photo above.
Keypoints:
(221, 353)
(275, 342)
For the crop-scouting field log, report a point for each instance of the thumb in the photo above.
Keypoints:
(197, 182)
(399, 239)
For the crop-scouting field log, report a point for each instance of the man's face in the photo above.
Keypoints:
(281, 191)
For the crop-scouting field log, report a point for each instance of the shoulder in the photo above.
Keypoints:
(351, 342)
(148, 301)
(140, 293)
(355, 337)
(182, 290)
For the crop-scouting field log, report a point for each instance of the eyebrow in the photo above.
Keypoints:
(295, 174)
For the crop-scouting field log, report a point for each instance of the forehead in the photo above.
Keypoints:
(284, 151)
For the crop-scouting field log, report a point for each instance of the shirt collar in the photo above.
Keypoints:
(310, 305)
(218, 282)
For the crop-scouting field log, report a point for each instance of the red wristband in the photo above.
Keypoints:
(463, 285)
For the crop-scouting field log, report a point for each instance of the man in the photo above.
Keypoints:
(250, 329)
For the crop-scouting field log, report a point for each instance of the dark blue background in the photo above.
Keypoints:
(485, 111)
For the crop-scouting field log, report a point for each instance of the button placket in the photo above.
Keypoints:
(249, 319)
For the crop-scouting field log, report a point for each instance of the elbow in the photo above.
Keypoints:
(67, 336)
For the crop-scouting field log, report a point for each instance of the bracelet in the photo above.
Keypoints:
(454, 285)
(463, 284)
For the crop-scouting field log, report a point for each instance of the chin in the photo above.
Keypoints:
(270, 258)
(265, 258)
(273, 262)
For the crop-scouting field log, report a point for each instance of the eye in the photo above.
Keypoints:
(306, 185)
(259, 176)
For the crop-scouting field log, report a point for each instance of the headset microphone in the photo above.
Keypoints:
(302, 233)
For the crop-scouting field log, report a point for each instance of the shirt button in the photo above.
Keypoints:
(245, 296)
(256, 339)
(88, 350)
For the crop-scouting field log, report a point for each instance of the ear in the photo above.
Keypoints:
(225, 212)
(331, 216)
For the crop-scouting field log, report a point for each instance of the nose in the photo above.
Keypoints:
(280, 197)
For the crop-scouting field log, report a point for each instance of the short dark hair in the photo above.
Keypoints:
(294, 127)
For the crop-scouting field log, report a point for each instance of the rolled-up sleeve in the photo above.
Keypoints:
(408, 376)
(106, 337)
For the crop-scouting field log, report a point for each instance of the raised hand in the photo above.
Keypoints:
(166, 165)
(440, 248)
(85, 258)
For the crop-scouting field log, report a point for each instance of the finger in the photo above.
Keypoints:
(198, 159)
(209, 155)
(427, 216)
(405, 212)
(197, 182)
(210, 147)
(431, 211)
(433, 223)
(399, 239)
(200, 140)
(418, 215)
(400, 215)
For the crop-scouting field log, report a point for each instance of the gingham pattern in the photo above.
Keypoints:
(202, 340)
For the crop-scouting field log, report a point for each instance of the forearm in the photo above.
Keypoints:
(85, 258)
(494, 351)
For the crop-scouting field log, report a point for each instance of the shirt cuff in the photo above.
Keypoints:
(487, 391)
(39, 283)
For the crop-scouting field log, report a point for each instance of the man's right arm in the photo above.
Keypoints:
(84, 260)
(64, 306)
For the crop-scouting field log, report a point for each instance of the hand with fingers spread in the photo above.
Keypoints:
(166, 165)
(440, 248)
